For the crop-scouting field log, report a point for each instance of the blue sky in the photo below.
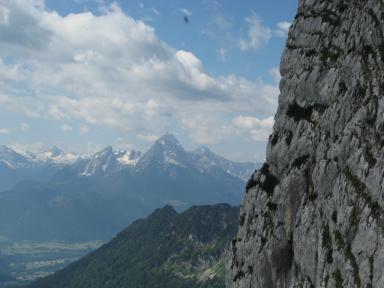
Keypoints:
(84, 74)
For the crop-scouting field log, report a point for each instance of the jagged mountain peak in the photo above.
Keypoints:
(206, 160)
(5, 150)
(11, 158)
(102, 163)
(166, 151)
(106, 151)
(55, 151)
(168, 140)
(169, 146)
(163, 212)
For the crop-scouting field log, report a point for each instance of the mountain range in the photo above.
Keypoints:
(95, 197)
(18, 166)
(165, 250)
(26, 166)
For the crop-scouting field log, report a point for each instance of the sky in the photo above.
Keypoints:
(84, 74)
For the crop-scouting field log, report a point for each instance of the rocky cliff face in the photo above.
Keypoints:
(313, 215)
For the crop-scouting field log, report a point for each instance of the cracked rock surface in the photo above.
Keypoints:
(313, 215)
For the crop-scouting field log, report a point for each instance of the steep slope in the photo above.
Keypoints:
(11, 158)
(313, 215)
(166, 153)
(207, 161)
(165, 250)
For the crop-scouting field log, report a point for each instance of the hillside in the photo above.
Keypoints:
(165, 250)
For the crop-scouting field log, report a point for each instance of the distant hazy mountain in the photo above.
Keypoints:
(16, 167)
(206, 160)
(165, 250)
(94, 198)
(166, 154)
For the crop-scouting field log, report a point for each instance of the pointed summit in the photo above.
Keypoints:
(55, 151)
(167, 140)
(102, 163)
(206, 160)
(11, 157)
(104, 152)
(166, 151)
(163, 213)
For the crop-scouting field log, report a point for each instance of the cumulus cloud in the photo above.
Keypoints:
(149, 137)
(222, 54)
(258, 34)
(155, 11)
(282, 28)
(4, 131)
(24, 127)
(186, 12)
(84, 129)
(32, 147)
(112, 70)
(4, 15)
(259, 129)
(285, 25)
(275, 74)
(66, 128)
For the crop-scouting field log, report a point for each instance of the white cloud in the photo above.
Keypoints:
(4, 15)
(258, 35)
(222, 54)
(186, 12)
(260, 129)
(86, 1)
(285, 25)
(24, 127)
(149, 137)
(155, 11)
(208, 129)
(223, 22)
(111, 70)
(282, 28)
(84, 129)
(253, 122)
(66, 128)
(32, 147)
(4, 131)
(275, 74)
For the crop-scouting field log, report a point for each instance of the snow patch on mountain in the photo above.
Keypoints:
(166, 153)
(128, 158)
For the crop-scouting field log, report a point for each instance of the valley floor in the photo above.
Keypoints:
(27, 261)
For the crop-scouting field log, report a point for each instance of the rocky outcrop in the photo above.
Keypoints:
(313, 215)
